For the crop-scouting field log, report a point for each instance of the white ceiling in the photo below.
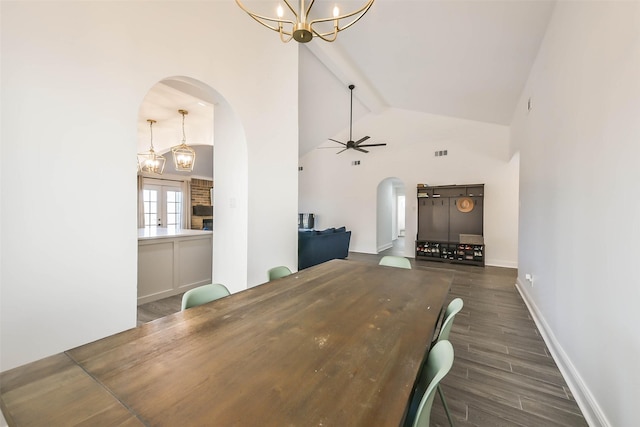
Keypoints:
(468, 59)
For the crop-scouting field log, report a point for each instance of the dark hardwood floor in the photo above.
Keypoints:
(503, 374)
(157, 309)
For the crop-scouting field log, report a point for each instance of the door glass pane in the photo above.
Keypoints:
(174, 207)
(149, 198)
(162, 206)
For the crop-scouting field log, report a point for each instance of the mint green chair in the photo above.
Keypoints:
(453, 308)
(278, 272)
(203, 294)
(395, 261)
(439, 363)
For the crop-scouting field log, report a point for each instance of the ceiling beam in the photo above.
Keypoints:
(335, 59)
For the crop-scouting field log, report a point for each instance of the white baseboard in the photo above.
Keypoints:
(592, 412)
(385, 247)
(501, 263)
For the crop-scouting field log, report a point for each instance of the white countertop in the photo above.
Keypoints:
(165, 233)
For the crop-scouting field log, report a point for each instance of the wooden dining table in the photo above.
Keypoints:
(338, 344)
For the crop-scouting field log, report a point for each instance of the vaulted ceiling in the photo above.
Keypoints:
(468, 59)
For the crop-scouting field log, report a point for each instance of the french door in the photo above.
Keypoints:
(162, 206)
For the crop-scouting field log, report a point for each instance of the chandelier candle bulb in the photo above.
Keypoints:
(300, 28)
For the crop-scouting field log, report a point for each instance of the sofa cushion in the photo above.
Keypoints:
(340, 229)
(327, 231)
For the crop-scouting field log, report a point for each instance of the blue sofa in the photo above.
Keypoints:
(316, 247)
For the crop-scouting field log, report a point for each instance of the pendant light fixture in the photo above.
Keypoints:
(150, 162)
(184, 157)
(298, 26)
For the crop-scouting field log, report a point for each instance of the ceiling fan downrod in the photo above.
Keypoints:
(351, 88)
(355, 145)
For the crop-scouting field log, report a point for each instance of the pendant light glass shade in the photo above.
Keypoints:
(184, 157)
(150, 162)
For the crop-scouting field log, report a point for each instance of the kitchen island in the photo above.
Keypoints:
(171, 261)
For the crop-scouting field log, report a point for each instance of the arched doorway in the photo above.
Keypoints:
(214, 131)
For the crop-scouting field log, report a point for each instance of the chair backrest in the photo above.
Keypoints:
(395, 261)
(450, 313)
(278, 272)
(203, 294)
(438, 364)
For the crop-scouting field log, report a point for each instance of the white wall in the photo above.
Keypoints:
(74, 75)
(579, 213)
(342, 194)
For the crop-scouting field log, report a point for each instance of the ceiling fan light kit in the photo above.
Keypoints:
(300, 28)
(351, 144)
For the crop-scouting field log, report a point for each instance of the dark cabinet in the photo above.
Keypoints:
(433, 219)
(450, 223)
(465, 222)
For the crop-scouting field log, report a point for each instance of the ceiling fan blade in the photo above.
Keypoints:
(364, 138)
(360, 149)
(372, 145)
(338, 142)
(342, 151)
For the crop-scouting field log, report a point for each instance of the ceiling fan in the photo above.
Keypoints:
(351, 144)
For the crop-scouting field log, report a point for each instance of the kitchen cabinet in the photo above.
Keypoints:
(172, 261)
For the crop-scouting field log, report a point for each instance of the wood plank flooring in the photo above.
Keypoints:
(503, 374)
(157, 309)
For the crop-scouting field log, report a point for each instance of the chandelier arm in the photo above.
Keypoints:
(364, 9)
(261, 18)
(361, 12)
(301, 29)
(291, 9)
(325, 36)
(276, 29)
(283, 33)
(306, 13)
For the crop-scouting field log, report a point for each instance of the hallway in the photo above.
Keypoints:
(397, 249)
